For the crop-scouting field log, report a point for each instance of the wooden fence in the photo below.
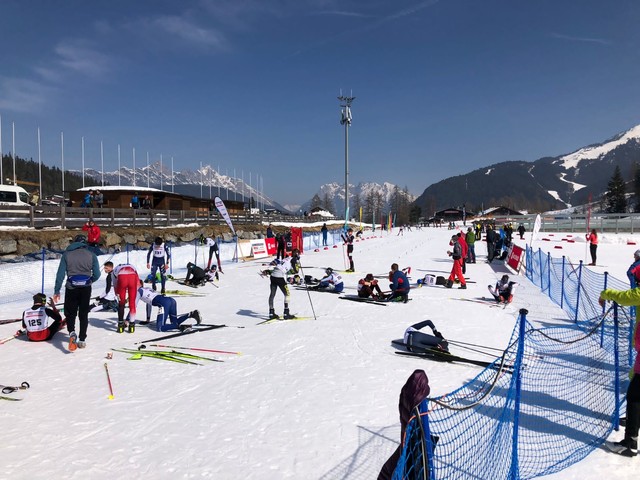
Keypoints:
(49, 216)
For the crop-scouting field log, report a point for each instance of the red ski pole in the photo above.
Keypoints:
(106, 369)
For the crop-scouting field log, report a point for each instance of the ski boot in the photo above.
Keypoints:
(120, 328)
(287, 315)
(131, 328)
(196, 316)
(273, 315)
(73, 345)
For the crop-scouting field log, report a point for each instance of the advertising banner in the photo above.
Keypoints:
(223, 211)
(271, 246)
(515, 257)
(259, 248)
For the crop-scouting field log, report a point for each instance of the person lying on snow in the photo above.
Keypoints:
(503, 291)
(417, 341)
(197, 276)
(368, 287)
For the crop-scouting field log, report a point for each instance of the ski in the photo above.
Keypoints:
(180, 334)
(9, 320)
(194, 348)
(490, 303)
(15, 335)
(364, 300)
(165, 353)
(11, 399)
(448, 357)
(137, 355)
(184, 293)
(276, 320)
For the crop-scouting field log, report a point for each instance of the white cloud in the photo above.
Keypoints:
(571, 38)
(23, 95)
(188, 31)
(79, 57)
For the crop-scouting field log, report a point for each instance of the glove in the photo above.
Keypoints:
(438, 334)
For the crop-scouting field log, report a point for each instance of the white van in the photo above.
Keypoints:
(13, 195)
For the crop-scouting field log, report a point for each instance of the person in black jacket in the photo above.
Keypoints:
(491, 243)
(280, 246)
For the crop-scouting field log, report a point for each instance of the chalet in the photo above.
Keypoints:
(120, 197)
(452, 215)
(500, 212)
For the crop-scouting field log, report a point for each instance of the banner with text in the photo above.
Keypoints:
(515, 257)
(223, 211)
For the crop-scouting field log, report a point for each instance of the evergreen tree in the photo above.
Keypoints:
(316, 202)
(356, 203)
(636, 185)
(615, 196)
(327, 204)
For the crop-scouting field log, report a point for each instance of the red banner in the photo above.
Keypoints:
(515, 257)
(271, 245)
(296, 238)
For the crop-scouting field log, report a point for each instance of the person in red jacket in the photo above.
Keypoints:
(465, 250)
(93, 233)
(592, 238)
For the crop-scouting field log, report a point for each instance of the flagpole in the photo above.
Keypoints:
(13, 149)
(118, 164)
(62, 158)
(101, 163)
(161, 172)
(148, 171)
(171, 174)
(82, 162)
(1, 154)
(39, 166)
(134, 166)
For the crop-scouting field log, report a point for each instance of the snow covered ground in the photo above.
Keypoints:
(313, 399)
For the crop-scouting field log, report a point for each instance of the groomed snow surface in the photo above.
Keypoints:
(312, 399)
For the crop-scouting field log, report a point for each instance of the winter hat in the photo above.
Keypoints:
(636, 253)
(39, 298)
(80, 239)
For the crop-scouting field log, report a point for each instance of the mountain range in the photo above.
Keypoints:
(205, 181)
(335, 192)
(548, 183)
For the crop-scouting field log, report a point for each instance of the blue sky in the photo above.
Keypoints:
(442, 87)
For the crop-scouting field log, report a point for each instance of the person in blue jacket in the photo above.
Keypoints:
(634, 269)
(400, 285)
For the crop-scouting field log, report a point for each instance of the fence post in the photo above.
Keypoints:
(43, 252)
(540, 266)
(31, 216)
(195, 251)
(63, 215)
(562, 283)
(616, 362)
(578, 290)
(549, 272)
(606, 277)
(514, 471)
(113, 215)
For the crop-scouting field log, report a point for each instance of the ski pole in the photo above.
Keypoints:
(189, 348)
(106, 369)
(308, 294)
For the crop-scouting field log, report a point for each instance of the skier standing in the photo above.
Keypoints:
(278, 280)
(456, 269)
(348, 241)
(161, 259)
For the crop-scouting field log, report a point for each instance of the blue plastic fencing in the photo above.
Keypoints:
(552, 397)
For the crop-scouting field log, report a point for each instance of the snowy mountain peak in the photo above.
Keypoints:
(593, 152)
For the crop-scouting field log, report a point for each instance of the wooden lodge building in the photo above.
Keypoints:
(120, 197)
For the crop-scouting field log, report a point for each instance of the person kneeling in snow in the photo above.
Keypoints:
(331, 283)
(503, 291)
(400, 286)
(368, 287)
(168, 311)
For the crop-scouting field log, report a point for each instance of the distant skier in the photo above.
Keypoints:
(324, 231)
(161, 259)
(592, 238)
(348, 241)
(280, 246)
(521, 231)
(456, 269)
(213, 249)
